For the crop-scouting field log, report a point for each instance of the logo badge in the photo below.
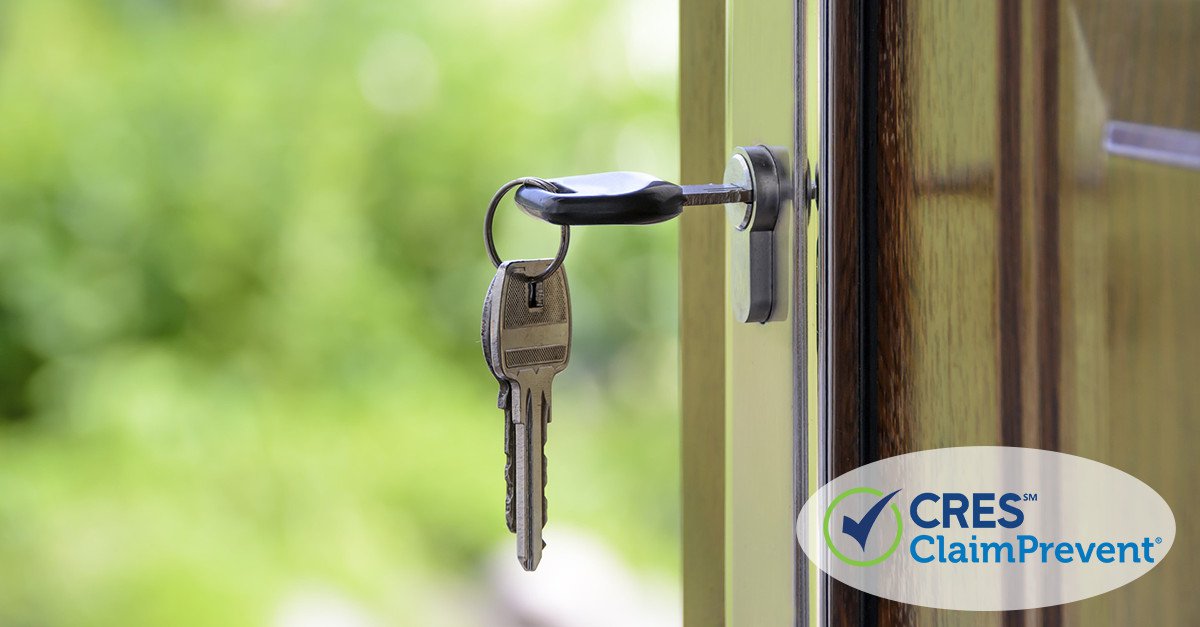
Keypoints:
(986, 528)
(858, 528)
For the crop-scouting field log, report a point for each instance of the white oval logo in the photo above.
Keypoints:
(986, 528)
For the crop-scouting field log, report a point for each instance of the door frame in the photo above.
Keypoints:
(701, 314)
(745, 431)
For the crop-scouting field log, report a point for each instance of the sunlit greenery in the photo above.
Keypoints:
(241, 272)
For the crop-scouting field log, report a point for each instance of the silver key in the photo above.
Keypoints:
(531, 343)
(502, 401)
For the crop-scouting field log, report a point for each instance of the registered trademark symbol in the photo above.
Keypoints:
(1158, 540)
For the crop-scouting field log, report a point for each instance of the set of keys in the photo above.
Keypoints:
(526, 331)
(526, 337)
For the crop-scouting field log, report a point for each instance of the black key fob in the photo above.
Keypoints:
(606, 198)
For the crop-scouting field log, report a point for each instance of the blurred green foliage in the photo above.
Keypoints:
(241, 274)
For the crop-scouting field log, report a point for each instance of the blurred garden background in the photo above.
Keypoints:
(241, 275)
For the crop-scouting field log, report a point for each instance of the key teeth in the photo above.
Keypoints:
(545, 478)
(510, 513)
(510, 474)
(502, 398)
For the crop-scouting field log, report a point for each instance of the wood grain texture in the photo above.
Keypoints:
(992, 277)
(1045, 275)
(702, 314)
(840, 427)
(912, 258)
(947, 250)
(1009, 296)
(890, 179)
(1129, 245)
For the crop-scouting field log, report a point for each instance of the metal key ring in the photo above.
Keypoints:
(564, 242)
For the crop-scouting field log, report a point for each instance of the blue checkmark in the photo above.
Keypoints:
(860, 529)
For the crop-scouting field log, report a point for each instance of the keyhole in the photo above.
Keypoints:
(536, 296)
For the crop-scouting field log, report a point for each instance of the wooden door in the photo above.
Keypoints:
(997, 269)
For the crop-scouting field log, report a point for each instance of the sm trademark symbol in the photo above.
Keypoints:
(1029, 496)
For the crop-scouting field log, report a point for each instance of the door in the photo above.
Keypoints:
(1011, 255)
(1004, 250)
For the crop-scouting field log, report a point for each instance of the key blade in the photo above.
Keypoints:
(716, 194)
(533, 403)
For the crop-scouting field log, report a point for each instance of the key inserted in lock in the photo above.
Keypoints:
(755, 187)
(620, 198)
(752, 241)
